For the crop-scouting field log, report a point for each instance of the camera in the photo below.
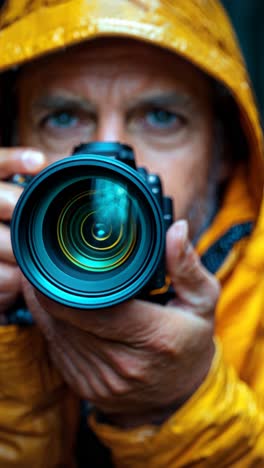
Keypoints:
(89, 230)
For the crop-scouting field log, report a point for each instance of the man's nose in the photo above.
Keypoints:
(111, 128)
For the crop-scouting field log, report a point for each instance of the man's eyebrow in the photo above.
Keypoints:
(160, 99)
(59, 102)
(53, 102)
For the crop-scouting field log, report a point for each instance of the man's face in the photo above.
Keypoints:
(127, 91)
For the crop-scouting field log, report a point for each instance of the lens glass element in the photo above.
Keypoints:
(97, 227)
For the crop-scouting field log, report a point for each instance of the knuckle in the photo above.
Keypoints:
(168, 349)
(132, 371)
(118, 388)
(162, 343)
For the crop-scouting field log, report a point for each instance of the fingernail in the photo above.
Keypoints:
(32, 159)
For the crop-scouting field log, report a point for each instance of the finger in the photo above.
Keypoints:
(81, 377)
(10, 278)
(107, 354)
(194, 286)
(69, 371)
(130, 322)
(16, 160)
(19, 160)
(9, 195)
(64, 358)
(10, 286)
(6, 252)
(98, 378)
(77, 369)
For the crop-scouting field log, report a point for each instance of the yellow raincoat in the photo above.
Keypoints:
(222, 425)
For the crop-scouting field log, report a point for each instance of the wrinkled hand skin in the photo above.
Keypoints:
(137, 362)
(12, 161)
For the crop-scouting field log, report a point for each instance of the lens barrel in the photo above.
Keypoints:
(88, 232)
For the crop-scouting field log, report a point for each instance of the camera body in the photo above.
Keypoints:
(90, 230)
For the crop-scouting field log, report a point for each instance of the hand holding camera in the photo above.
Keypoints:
(12, 161)
(136, 362)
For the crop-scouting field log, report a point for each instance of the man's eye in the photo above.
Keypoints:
(61, 120)
(161, 119)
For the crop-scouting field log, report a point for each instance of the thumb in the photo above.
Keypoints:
(195, 286)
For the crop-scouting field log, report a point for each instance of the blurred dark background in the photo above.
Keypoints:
(248, 19)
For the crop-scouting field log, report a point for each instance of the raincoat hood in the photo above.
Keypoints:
(30, 29)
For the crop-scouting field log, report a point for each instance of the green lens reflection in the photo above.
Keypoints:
(97, 228)
(101, 231)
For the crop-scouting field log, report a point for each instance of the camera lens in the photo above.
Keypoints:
(96, 229)
(87, 232)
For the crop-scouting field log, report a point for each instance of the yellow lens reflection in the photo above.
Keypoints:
(83, 259)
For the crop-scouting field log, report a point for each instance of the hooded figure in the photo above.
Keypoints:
(218, 417)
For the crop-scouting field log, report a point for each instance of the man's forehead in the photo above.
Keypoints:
(108, 52)
(110, 49)
(129, 67)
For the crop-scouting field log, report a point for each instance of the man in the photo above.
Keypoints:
(174, 385)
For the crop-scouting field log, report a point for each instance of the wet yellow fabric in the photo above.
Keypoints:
(223, 423)
(38, 414)
(208, 436)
